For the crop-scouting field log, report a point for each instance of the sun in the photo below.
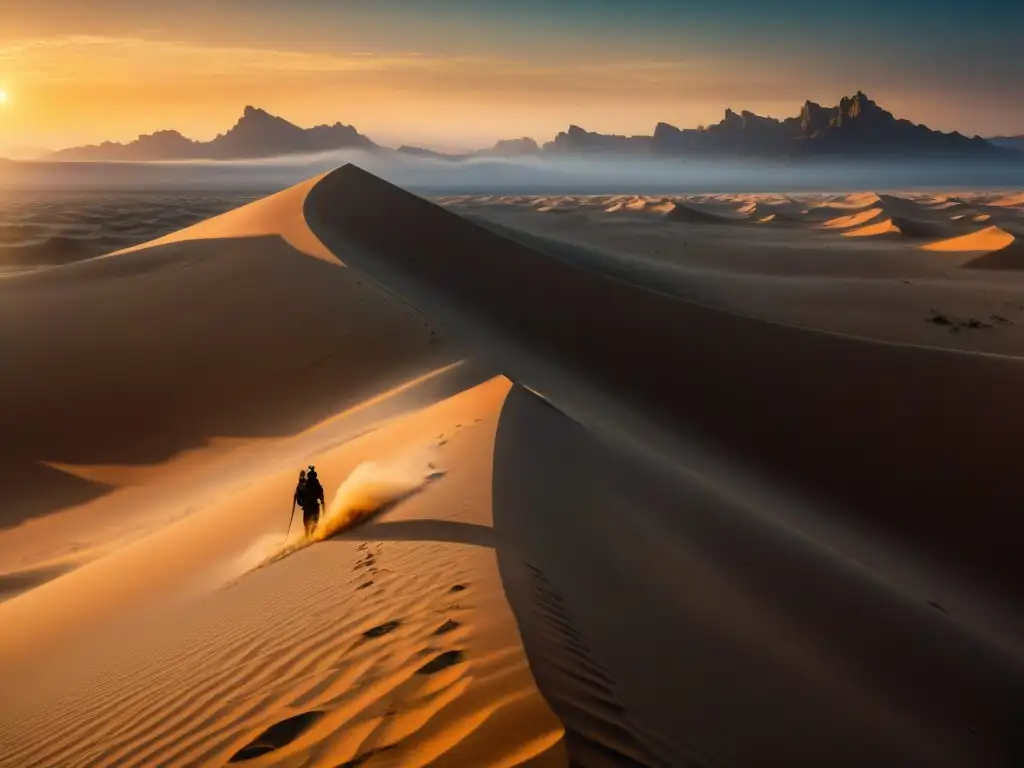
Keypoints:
(3, 97)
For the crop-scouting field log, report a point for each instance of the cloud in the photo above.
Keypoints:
(112, 61)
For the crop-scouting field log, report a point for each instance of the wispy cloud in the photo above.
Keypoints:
(115, 61)
(118, 58)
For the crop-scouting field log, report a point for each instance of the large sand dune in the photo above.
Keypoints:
(682, 527)
(139, 360)
(167, 396)
(776, 420)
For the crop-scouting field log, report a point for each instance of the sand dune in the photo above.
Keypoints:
(1014, 200)
(857, 200)
(853, 220)
(921, 229)
(988, 239)
(766, 212)
(911, 216)
(885, 226)
(341, 651)
(146, 363)
(682, 212)
(166, 430)
(842, 655)
(549, 572)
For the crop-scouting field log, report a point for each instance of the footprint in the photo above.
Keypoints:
(457, 588)
(445, 660)
(276, 736)
(384, 629)
(365, 584)
(447, 627)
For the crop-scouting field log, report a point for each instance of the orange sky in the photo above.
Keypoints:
(117, 80)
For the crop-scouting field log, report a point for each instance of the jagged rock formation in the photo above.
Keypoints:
(578, 140)
(856, 126)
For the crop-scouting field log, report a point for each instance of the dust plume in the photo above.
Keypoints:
(370, 488)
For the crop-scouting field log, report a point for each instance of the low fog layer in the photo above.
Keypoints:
(567, 174)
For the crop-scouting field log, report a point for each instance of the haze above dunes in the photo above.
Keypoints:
(658, 479)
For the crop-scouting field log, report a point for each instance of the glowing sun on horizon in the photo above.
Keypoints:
(3, 97)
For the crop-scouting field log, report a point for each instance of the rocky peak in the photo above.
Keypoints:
(814, 118)
(250, 113)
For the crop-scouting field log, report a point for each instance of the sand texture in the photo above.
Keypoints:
(610, 481)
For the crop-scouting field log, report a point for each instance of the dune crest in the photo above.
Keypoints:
(884, 227)
(278, 215)
(990, 238)
(853, 220)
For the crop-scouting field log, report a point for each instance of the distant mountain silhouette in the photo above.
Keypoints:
(856, 126)
(256, 134)
(577, 139)
(1012, 142)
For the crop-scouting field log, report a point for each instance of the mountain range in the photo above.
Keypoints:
(857, 126)
(257, 134)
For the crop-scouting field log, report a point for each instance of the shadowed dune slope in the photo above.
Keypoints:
(1010, 256)
(704, 634)
(551, 311)
(693, 215)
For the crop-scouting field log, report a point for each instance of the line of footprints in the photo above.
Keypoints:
(285, 732)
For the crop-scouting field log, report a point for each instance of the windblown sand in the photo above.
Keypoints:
(599, 492)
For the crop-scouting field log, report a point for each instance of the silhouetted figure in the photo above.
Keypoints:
(310, 499)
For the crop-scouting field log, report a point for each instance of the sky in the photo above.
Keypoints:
(457, 74)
